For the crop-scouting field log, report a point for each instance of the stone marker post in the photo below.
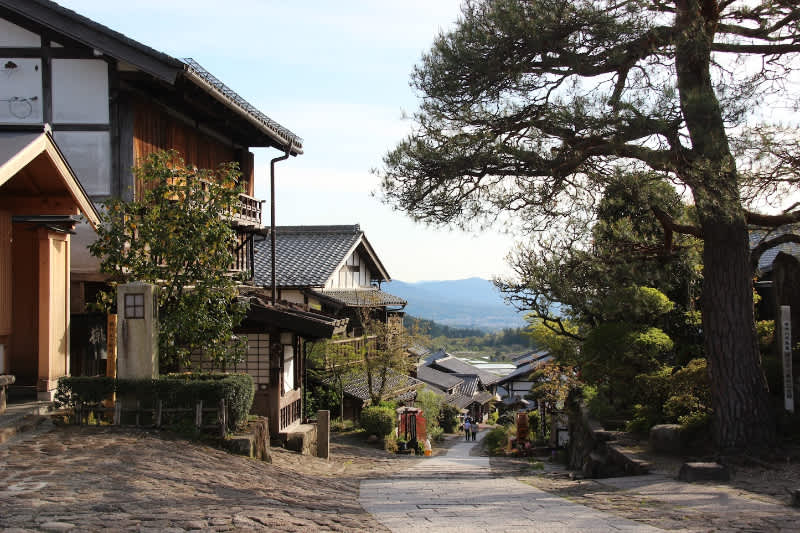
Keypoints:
(786, 357)
(323, 434)
(137, 331)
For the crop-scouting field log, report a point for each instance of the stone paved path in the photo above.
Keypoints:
(457, 492)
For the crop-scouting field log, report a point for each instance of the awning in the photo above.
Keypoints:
(36, 179)
(361, 297)
(305, 323)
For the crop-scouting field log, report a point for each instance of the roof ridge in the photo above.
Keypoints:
(344, 228)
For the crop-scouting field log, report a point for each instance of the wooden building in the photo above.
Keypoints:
(333, 269)
(111, 101)
(40, 198)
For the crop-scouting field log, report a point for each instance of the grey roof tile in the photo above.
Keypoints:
(398, 386)
(306, 256)
(457, 366)
(437, 378)
(363, 297)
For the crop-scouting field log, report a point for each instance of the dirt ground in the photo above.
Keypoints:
(755, 499)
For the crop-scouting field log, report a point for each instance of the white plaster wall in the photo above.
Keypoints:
(293, 296)
(89, 155)
(345, 279)
(80, 91)
(20, 90)
(14, 36)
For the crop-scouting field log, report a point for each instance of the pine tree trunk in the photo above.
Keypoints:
(743, 419)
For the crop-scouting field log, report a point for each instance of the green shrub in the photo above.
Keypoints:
(492, 419)
(72, 391)
(390, 443)
(533, 425)
(175, 390)
(496, 440)
(448, 418)
(436, 434)
(377, 421)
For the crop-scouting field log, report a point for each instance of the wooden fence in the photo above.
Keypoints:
(156, 415)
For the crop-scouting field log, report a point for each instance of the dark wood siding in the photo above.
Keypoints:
(154, 129)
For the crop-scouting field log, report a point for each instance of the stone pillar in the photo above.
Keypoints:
(137, 331)
(323, 434)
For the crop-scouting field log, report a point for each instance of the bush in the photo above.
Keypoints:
(177, 390)
(448, 418)
(378, 421)
(390, 443)
(436, 434)
(492, 417)
(496, 440)
(431, 405)
(534, 422)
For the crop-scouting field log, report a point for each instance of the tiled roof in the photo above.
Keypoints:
(768, 257)
(524, 369)
(438, 354)
(527, 357)
(305, 256)
(156, 63)
(437, 378)
(398, 387)
(457, 366)
(469, 384)
(362, 297)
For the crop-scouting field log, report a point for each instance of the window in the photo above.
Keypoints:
(134, 305)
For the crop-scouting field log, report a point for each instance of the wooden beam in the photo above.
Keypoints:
(39, 205)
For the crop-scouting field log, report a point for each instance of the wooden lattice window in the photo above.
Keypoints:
(134, 305)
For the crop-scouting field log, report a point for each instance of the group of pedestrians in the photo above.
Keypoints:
(470, 428)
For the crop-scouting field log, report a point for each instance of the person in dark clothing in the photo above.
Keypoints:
(474, 428)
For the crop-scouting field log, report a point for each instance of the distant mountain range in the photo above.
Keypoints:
(472, 302)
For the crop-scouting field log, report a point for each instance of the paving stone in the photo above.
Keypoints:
(457, 492)
(56, 526)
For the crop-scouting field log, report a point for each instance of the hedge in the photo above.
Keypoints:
(378, 421)
(173, 389)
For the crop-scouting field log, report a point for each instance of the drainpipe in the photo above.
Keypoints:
(272, 216)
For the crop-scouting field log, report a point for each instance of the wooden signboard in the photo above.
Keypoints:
(111, 340)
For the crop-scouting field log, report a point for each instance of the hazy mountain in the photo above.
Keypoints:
(472, 302)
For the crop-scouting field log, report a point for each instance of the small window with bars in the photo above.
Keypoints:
(134, 305)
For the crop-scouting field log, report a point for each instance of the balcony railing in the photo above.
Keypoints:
(248, 210)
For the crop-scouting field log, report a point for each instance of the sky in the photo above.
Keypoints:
(336, 74)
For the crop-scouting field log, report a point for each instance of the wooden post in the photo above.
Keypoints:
(138, 409)
(118, 412)
(222, 416)
(111, 346)
(323, 434)
(198, 415)
(159, 407)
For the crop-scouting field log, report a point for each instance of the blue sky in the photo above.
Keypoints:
(337, 74)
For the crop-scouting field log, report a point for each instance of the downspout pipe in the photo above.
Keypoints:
(284, 157)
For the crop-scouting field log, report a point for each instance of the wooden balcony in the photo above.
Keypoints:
(247, 211)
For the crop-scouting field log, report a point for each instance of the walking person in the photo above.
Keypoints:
(466, 428)
(474, 428)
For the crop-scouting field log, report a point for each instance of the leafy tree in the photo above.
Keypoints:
(177, 235)
(431, 405)
(528, 107)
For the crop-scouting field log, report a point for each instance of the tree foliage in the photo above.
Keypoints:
(530, 108)
(177, 235)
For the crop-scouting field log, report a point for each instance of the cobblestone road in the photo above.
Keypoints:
(121, 480)
(457, 492)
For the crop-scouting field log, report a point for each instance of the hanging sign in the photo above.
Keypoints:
(786, 357)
